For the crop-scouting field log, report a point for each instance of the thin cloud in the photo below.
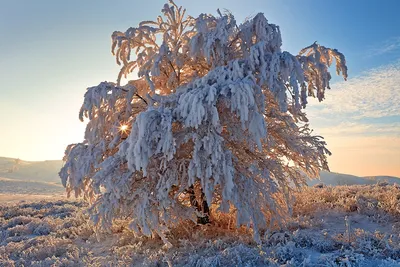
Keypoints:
(350, 129)
(374, 94)
(389, 46)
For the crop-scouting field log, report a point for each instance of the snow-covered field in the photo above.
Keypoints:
(12, 186)
(12, 190)
(330, 226)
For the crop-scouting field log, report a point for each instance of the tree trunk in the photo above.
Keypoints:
(203, 207)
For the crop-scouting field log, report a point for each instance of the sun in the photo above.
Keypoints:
(123, 128)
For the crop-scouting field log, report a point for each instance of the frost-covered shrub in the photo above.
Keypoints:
(42, 229)
(19, 220)
(35, 236)
(216, 109)
(377, 243)
(320, 241)
(343, 259)
(381, 204)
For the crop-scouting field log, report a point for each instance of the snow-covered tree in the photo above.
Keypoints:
(214, 117)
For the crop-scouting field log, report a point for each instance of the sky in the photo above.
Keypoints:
(51, 51)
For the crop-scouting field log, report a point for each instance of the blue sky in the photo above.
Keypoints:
(51, 51)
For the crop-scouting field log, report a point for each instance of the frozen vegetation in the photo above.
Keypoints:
(330, 226)
(212, 118)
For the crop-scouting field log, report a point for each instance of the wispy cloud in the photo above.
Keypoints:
(389, 46)
(350, 129)
(374, 94)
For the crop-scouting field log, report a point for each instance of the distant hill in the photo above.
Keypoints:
(42, 171)
(333, 178)
(47, 171)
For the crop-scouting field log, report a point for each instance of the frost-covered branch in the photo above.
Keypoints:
(216, 107)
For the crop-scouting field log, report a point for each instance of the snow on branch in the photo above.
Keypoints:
(216, 107)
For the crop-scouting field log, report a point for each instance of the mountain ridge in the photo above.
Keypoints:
(47, 171)
(40, 171)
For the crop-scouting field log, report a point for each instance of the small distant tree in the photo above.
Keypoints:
(215, 117)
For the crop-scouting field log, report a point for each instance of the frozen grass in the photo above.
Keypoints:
(330, 226)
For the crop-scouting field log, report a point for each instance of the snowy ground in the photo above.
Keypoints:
(331, 226)
(14, 186)
(12, 190)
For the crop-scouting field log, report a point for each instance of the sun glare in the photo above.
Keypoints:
(123, 128)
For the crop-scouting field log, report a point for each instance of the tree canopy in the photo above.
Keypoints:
(216, 107)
